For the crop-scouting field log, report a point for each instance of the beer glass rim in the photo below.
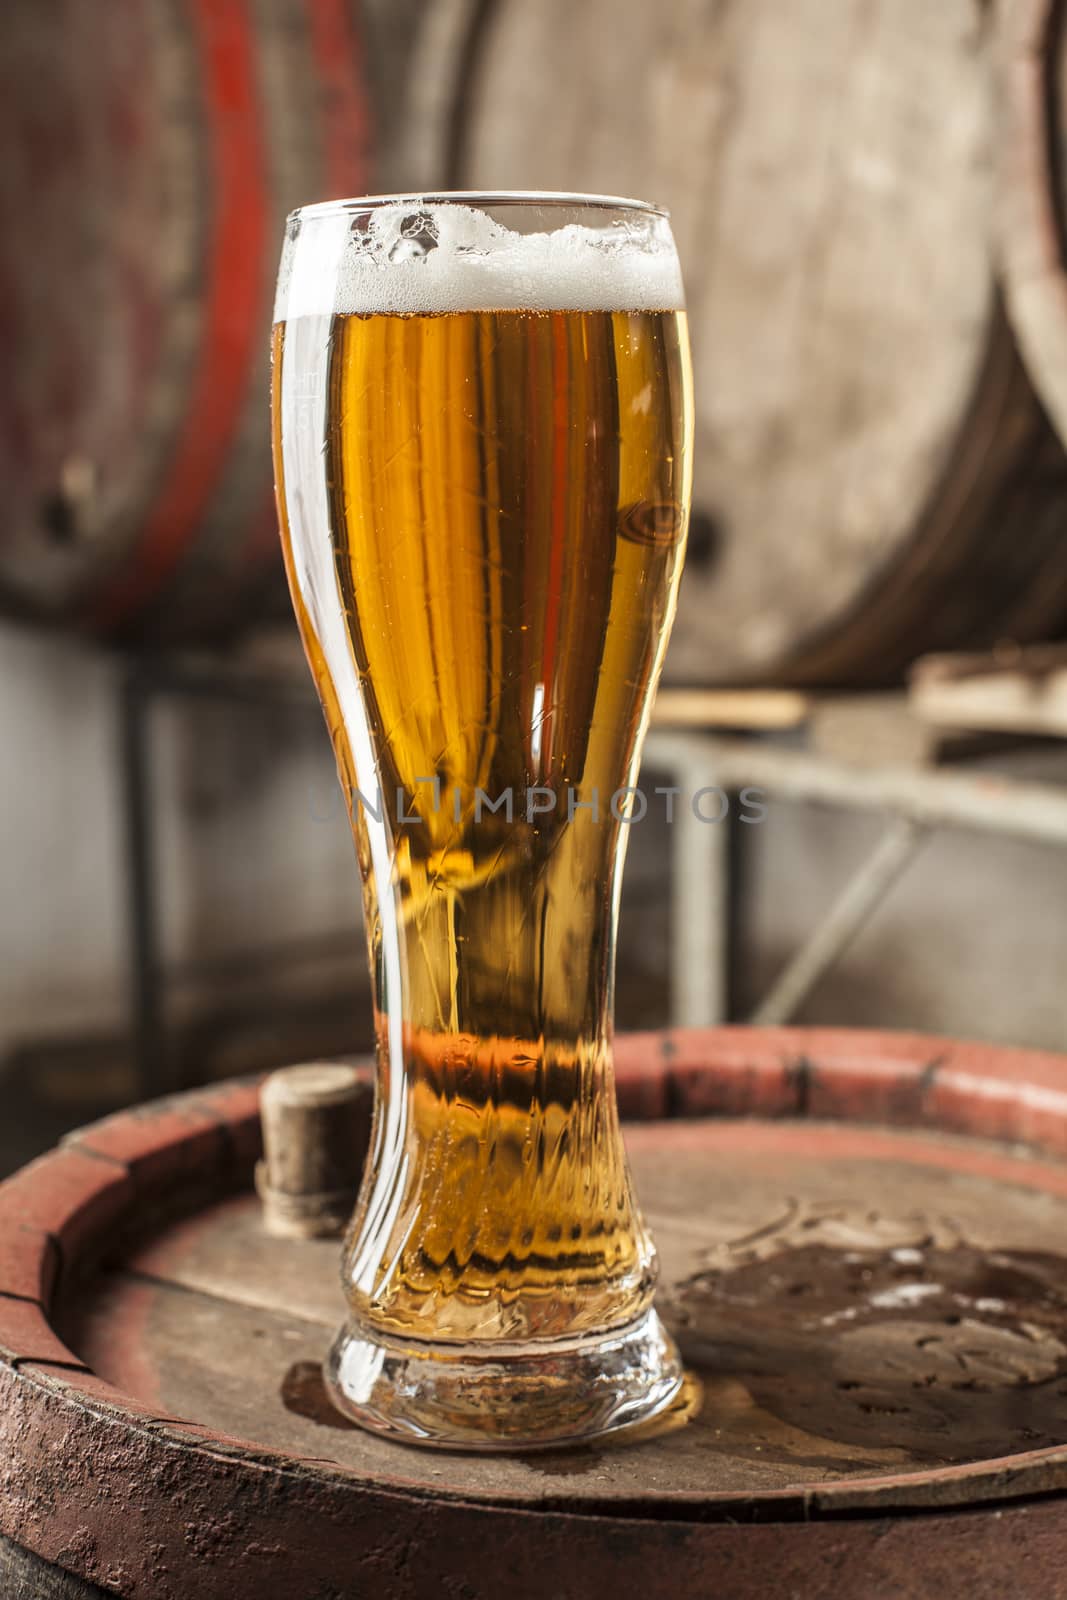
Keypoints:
(480, 197)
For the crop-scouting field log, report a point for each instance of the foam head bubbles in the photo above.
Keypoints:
(432, 255)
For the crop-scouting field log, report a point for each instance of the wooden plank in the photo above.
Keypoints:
(1035, 660)
(881, 730)
(765, 710)
(871, 730)
(868, 729)
(1026, 693)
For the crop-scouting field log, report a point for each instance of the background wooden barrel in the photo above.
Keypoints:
(152, 151)
(861, 1239)
(874, 477)
(1033, 192)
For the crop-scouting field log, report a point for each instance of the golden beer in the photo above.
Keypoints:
(485, 596)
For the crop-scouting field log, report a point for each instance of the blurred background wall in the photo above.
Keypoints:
(879, 475)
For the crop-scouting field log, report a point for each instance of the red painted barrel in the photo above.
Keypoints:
(862, 1252)
(152, 152)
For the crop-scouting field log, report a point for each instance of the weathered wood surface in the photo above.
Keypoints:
(1009, 691)
(873, 476)
(854, 1304)
(24, 1576)
(866, 1272)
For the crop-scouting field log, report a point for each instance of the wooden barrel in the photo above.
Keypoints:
(873, 475)
(1033, 193)
(861, 1239)
(152, 153)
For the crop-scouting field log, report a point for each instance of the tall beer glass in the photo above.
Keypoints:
(482, 439)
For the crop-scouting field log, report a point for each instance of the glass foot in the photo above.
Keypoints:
(504, 1397)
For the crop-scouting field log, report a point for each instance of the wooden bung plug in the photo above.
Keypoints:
(316, 1128)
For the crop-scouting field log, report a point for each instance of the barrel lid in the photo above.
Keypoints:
(860, 1240)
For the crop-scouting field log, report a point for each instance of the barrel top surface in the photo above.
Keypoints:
(861, 1251)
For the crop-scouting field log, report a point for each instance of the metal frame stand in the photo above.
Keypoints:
(914, 802)
(144, 680)
(149, 1035)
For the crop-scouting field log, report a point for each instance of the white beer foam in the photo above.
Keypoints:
(418, 256)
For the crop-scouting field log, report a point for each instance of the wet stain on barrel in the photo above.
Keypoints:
(944, 1352)
(305, 1394)
(564, 1463)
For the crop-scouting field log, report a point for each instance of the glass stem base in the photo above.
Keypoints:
(493, 1396)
